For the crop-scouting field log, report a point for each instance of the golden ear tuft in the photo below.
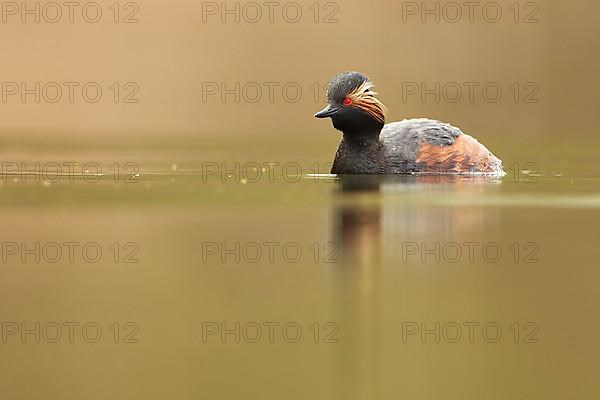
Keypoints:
(363, 98)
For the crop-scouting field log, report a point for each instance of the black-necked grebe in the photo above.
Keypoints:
(369, 146)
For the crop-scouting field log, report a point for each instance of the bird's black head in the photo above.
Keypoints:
(352, 104)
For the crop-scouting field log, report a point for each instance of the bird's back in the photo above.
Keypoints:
(425, 145)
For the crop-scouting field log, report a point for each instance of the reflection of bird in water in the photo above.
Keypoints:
(359, 224)
(373, 215)
(408, 206)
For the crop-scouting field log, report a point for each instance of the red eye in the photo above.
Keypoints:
(347, 101)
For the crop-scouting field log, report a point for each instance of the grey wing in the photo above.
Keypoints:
(403, 140)
(418, 130)
(436, 133)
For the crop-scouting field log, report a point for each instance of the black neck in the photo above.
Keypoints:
(362, 138)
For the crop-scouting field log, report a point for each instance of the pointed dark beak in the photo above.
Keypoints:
(327, 112)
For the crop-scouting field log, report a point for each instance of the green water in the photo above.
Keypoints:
(398, 285)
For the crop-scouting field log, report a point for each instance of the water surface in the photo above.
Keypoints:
(398, 284)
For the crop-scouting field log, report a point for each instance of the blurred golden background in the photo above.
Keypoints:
(177, 48)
